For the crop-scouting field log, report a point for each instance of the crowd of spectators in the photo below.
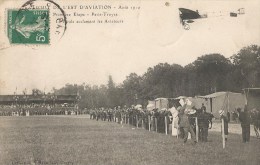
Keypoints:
(38, 109)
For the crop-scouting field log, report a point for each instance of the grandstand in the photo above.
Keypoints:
(25, 105)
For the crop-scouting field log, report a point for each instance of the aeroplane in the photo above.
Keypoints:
(188, 16)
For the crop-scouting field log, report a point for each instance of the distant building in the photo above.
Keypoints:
(37, 99)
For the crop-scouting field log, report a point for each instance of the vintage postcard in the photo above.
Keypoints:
(129, 82)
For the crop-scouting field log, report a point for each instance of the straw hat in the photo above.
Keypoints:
(189, 111)
(192, 111)
(221, 112)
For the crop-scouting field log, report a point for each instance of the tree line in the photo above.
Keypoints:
(207, 74)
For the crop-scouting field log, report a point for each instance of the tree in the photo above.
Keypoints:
(211, 71)
(111, 92)
(131, 89)
(247, 66)
(207, 74)
(163, 80)
(190, 80)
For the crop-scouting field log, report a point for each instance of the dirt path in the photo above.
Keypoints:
(234, 128)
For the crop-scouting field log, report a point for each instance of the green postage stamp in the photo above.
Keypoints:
(28, 26)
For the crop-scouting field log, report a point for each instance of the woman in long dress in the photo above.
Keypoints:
(175, 120)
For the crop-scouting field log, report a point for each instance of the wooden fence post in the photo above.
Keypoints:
(136, 121)
(149, 122)
(155, 124)
(223, 134)
(197, 129)
(165, 121)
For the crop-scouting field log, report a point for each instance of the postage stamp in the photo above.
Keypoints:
(28, 26)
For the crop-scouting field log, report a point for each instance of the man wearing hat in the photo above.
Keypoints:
(185, 124)
(180, 113)
(225, 118)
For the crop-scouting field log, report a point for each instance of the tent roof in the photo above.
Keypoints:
(178, 98)
(214, 95)
(251, 90)
(161, 99)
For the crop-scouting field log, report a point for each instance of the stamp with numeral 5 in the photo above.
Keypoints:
(28, 26)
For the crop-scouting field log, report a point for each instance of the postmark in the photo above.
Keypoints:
(28, 26)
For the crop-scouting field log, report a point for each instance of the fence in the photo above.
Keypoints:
(160, 123)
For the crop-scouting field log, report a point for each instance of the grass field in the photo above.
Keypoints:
(79, 140)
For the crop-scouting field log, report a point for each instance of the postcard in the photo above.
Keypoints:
(93, 55)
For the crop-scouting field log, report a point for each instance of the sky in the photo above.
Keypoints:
(89, 53)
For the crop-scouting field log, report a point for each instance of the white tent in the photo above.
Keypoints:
(151, 105)
(227, 101)
(161, 103)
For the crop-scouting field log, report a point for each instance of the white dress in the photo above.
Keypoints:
(175, 120)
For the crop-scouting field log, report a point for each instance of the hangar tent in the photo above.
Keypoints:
(197, 102)
(151, 105)
(227, 101)
(179, 101)
(252, 97)
(175, 102)
(161, 103)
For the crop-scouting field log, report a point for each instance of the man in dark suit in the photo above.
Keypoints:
(244, 118)
(204, 119)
